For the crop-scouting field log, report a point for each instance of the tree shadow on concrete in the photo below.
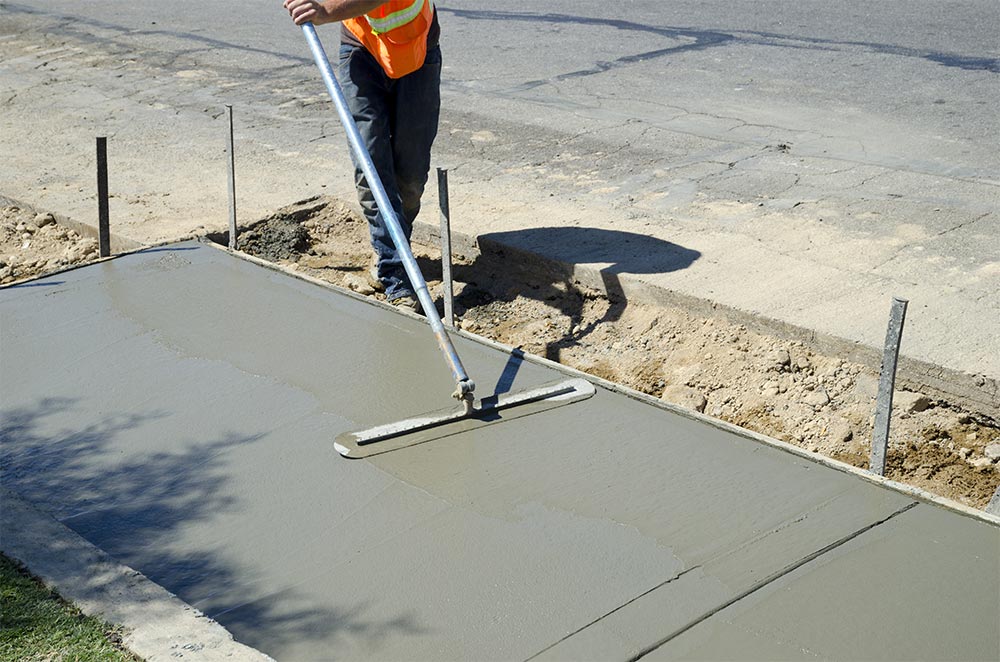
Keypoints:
(577, 261)
(135, 505)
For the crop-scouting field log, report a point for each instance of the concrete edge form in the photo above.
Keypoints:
(934, 380)
(159, 626)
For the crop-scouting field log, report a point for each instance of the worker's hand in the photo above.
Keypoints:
(304, 11)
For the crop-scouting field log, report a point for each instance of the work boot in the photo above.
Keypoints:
(408, 302)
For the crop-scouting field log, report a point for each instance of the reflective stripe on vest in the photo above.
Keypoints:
(395, 34)
(396, 19)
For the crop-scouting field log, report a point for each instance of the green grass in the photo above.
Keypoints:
(36, 624)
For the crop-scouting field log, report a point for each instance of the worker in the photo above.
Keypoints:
(390, 72)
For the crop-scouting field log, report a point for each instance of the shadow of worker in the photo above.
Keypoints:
(555, 281)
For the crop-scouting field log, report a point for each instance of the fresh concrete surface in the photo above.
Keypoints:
(863, 591)
(177, 408)
(814, 161)
(158, 626)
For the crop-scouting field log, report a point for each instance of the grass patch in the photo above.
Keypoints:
(38, 625)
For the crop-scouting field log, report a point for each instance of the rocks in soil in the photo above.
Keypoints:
(34, 244)
(358, 284)
(992, 451)
(684, 373)
(85, 249)
(982, 463)
(818, 398)
(865, 387)
(840, 430)
(777, 359)
(686, 397)
(909, 403)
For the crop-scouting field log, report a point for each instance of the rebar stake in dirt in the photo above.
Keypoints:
(103, 208)
(886, 385)
(446, 281)
(231, 163)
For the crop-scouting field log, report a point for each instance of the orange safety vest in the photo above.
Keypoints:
(396, 34)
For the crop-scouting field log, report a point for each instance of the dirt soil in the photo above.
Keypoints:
(34, 244)
(769, 385)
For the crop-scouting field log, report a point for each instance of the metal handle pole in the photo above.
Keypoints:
(465, 386)
(446, 263)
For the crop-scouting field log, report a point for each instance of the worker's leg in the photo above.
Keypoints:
(368, 93)
(416, 107)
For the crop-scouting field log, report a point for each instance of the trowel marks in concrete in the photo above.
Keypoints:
(177, 408)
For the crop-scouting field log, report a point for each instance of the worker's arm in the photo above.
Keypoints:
(328, 11)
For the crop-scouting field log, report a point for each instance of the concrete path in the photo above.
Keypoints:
(177, 408)
(157, 626)
(806, 162)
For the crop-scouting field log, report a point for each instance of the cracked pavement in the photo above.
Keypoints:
(819, 160)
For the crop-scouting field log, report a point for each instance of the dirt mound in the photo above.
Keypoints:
(274, 239)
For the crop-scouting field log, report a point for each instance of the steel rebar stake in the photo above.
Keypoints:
(886, 385)
(103, 206)
(447, 285)
(231, 163)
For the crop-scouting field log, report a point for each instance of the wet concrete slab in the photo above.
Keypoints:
(177, 407)
(925, 586)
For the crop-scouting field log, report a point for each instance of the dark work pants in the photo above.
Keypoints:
(398, 121)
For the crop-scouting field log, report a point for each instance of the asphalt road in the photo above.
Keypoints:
(818, 157)
(909, 85)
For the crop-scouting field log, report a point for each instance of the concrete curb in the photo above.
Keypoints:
(159, 626)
